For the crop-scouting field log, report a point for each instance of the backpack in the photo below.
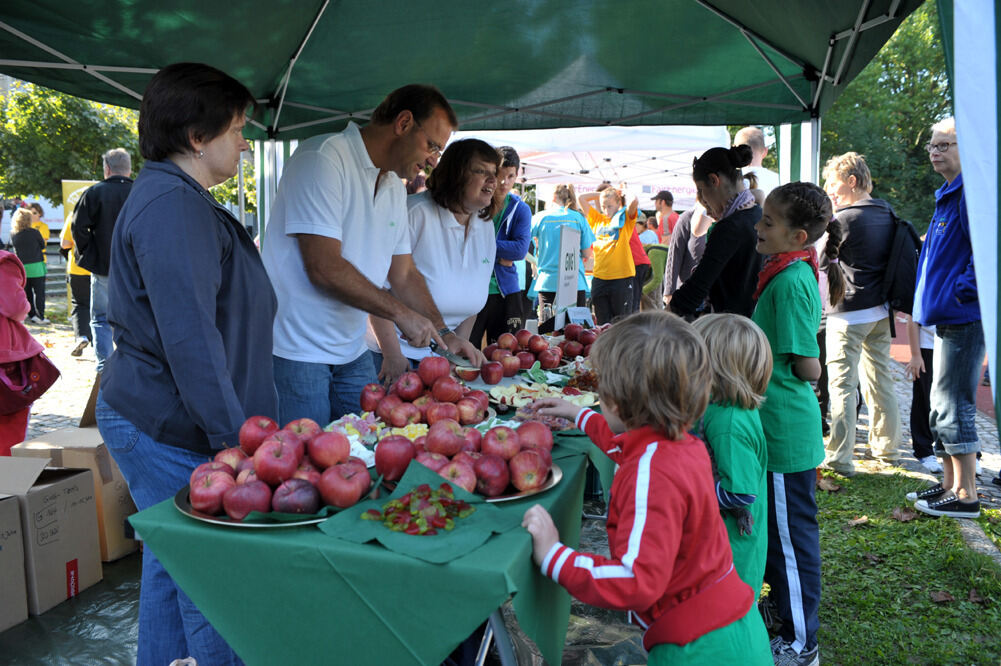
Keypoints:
(901, 276)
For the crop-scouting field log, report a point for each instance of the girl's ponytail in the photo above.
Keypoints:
(835, 276)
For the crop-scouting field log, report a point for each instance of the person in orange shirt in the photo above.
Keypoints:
(613, 225)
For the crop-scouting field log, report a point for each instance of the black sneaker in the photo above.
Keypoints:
(950, 506)
(784, 655)
(928, 494)
(996, 480)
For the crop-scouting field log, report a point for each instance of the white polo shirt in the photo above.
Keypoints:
(456, 266)
(328, 188)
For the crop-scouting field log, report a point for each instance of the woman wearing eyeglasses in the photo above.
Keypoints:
(453, 245)
(859, 327)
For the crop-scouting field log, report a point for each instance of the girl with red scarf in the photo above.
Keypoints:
(788, 311)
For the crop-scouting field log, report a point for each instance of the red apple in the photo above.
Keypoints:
(511, 365)
(250, 496)
(460, 474)
(528, 470)
(547, 456)
(386, 405)
(206, 492)
(296, 496)
(446, 389)
(371, 394)
(275, 461)
(254, 431)
(507, 341)
(207, 468)
(409, 386)
(537, 344)
(523, 336)
(328, 448)
(357, 463)
(441, 411)
(231, 456)
(431, 368)
(535, 435)
(501, 441)
(307, 472)
(466, 457)
(489, 350)
(498, 355)
(467, 373)
(246, 475)
(470, 411)
(403, 414)
(445, 437)
(246, 463)
(433, 461)
(480, 396)
(586, 351)
(420, 443)
(473, 439)
(573, 348)
(492, 475)
(492, 372)
(306, 429)
(526, 358)
(291, 440)
(549, 359)
(422, 403)
(572, 331)
(587, 337)
(343, 485)
(392, 455)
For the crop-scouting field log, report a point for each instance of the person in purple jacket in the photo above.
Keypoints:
(946, 297)
(504, 311)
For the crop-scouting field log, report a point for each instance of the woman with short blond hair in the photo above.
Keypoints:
(29, 246)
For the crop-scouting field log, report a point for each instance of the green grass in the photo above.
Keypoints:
(990, 520)
(879, 578)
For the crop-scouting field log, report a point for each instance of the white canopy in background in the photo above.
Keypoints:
(647, 159)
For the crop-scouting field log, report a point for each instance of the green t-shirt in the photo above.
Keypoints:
(788, 311)
(738, 445)
(35, 269)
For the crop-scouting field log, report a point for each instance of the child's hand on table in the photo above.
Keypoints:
(557, 407)
(540, 525)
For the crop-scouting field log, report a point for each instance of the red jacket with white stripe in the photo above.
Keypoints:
(670, 561)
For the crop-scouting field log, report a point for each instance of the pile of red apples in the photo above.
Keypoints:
(297, 470)
(486, 464)
(519, 351)
(427, 395)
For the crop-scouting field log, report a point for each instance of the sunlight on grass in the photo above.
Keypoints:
(882, 577)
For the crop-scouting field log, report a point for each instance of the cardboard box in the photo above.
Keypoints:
(83, 448)
(14, 594)
(59, 523)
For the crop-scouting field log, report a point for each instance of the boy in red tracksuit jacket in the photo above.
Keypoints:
(670, 562)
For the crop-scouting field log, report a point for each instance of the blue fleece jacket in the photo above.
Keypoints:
(946, 292)
(513, 237)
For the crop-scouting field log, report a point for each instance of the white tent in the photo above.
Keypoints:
(647, 159)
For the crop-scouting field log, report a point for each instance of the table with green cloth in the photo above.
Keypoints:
(298, 595)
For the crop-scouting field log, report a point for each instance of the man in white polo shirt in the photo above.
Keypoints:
(337, 232)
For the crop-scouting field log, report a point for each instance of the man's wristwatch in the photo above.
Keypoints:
(442, 332)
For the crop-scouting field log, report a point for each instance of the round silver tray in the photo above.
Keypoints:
(183, 505)
(555, 475)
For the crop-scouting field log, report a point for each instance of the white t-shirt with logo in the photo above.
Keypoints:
(328, 188)
(768, 180)
(456, 265)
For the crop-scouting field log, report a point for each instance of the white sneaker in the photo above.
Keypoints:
(34, 319)
(980, 470)
(931, 464)
(43, 322)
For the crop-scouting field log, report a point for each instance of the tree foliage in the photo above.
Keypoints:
(886, 114)
(47, 136)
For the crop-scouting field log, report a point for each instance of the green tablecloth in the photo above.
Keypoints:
(295, 595)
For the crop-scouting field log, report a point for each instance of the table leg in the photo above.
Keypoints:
(497, 632)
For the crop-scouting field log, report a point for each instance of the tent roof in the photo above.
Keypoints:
(514, 65)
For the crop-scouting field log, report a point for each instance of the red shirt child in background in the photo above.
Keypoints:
(16, 343)
(670, 562)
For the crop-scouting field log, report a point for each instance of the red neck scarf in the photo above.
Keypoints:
(776, 263)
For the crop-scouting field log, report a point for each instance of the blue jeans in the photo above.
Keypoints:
(170, 626)
(99, 326)
(319, 391)
(959, 353)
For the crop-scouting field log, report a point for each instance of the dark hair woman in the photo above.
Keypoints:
(192, 312)
(453, 244)
(727, 274)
